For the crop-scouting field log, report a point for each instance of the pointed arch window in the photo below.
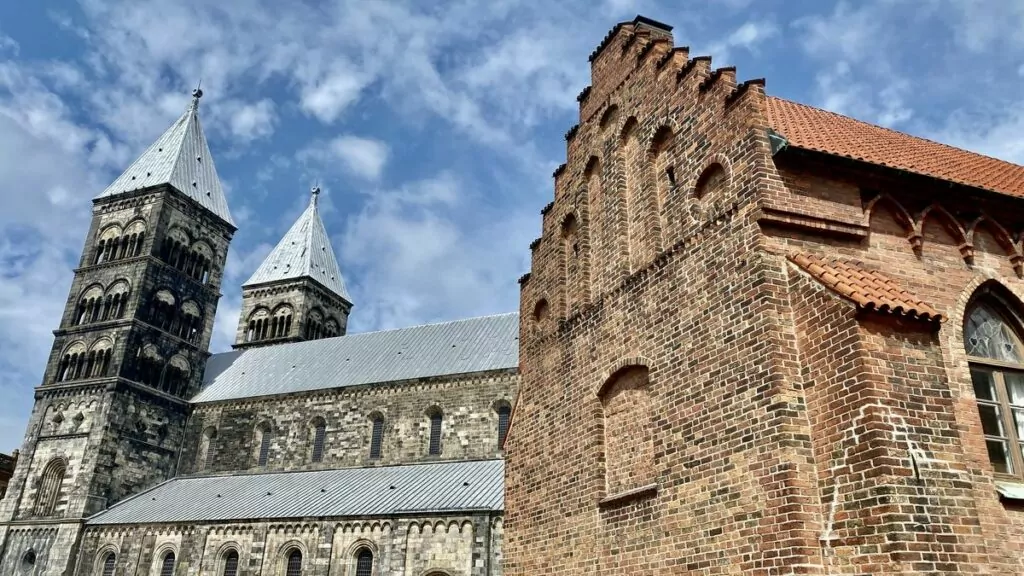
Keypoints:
(230, 563)
(992, 338)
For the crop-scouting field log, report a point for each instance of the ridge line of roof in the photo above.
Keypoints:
(189, 114)
(887, 129)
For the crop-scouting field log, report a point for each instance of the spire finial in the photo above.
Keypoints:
(197, 93)
(316, 192)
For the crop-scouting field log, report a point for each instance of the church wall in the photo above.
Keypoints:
(469, 425)
(705, 476)
(940, 246)
(406, 546)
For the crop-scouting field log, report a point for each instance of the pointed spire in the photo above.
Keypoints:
(304, 252)
(180, 158)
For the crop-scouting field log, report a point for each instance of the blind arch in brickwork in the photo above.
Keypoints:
(626, 426)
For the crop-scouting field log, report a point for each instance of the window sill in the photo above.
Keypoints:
(627, 496)
(1010, 490)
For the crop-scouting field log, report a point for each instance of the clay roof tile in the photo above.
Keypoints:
(868, 289)
(815, 129)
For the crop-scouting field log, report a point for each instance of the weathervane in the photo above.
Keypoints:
(197, 94)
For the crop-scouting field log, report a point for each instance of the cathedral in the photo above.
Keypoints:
(756, 337)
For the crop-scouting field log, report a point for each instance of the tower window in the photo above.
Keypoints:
(49, 488)
(364, 563)
(376, 437)
(436, 420)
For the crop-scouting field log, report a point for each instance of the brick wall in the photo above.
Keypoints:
(791, 432)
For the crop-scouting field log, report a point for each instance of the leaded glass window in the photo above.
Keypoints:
(167, 568)
(294, 567)
(364, 563)
(319, 435)
(503, 414)
(435, 433)
(376, 437)
(997, 374)
(231, 563)
(108, 564)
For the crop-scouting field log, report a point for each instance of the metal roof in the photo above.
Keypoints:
(305, 251)
(435, 488)
(181, 158)
(459, 347)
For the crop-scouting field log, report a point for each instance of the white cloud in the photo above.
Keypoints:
(250, 121)
(748, 36)
(330, 95)
(358, 156)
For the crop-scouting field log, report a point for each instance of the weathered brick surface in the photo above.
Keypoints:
(469, 426)
(792, 433)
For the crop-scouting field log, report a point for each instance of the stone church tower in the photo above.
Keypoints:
(130, 349)
(298, 292)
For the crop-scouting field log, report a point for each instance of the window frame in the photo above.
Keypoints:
(224, 562)
(319, 444)
(166, 570)
(288, 562)
(998, 369)
(376, 437)
(434, 443)
(360, 555)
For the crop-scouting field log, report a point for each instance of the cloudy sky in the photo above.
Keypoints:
(433, 127)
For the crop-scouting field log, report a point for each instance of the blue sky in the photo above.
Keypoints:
(433, 127)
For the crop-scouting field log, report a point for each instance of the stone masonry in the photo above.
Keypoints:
(695, 401)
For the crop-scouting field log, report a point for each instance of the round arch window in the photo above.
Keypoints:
(28, 560)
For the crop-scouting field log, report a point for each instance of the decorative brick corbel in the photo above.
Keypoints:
(967, 252)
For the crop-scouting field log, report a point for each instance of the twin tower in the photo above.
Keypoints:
(134, 338)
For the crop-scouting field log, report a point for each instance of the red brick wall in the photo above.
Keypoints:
(782, 420)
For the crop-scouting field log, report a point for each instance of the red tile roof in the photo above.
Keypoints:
(868, 289)
(815, 129)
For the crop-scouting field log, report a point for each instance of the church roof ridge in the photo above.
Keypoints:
(181, 158)
(305, 251)
(446, 349)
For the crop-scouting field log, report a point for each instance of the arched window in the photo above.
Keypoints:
(571, 260)
(364, 562)
(993, 343)
(134, 236)
(109, 242)
(49, 487)
(628, 444)
(503, 414)
(204, 456)
(167, 565)
(281, 322)
(115, 300)
(376, 436)
(713, 180)
(319, 436)
(294, 566)
(189, 322)
(258, 327)
(28, 560)
(90, 306)
(163, 309)
(436, 419)
(149, 366)
(262, 442)
(230, 563)
(176, 376)
(72, 363)
(97, 362)
(109, 561)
